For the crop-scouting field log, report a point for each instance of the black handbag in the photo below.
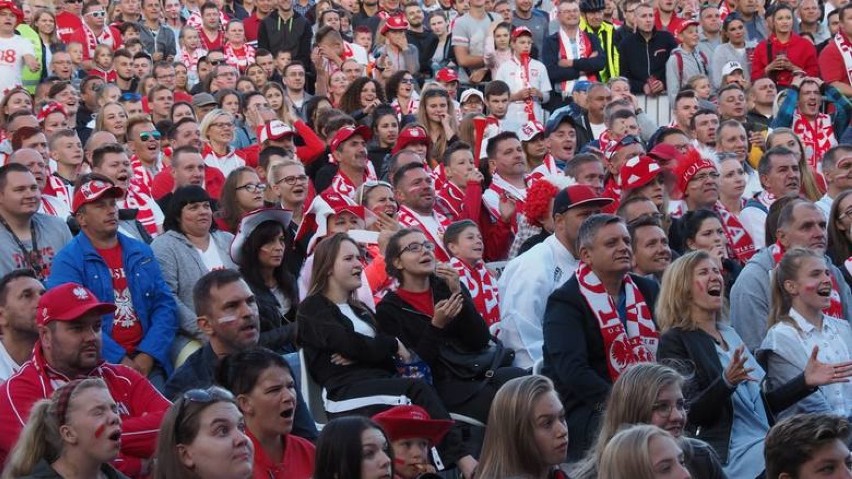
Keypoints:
(475, 366)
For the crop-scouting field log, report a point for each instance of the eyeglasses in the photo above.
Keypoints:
(665, 409)
(845, 214)
(199, 396)
(73, 1)
(409, 81)
(130, 97)
(703, 177)
(150, 135)
(97, 13)
(418, 247)
(253, 187)
(293, 179)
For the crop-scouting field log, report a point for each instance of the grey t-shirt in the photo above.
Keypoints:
(471, 33)
(52, 234)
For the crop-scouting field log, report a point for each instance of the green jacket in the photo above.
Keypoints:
(31, 78)
(605, 35)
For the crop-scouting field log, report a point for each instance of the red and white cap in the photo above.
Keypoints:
(49, 108)
(348, 132)
(518, 31)
(321, 208)
(689, 166)
(9, 5)
(638, 172)
(530, 130)
(447, 75)
(274, 130)
(92, 191)
(686, 24)
(396, 22)
(412, 422)
(411, 135)
(68, 302)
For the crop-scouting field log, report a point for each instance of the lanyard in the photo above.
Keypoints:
(33, 257)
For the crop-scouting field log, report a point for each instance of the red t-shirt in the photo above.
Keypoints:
(214, 44)
(126, 328)
(422, 302)
(831, 65)
(297, 463)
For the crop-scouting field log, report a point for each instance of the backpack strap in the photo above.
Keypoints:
(679, 59)
(756, 204)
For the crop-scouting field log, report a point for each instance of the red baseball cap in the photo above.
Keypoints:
(577, 195)
(408, 136)
(518, 31)
(410, 421)
(638, 172)
(19, 14)
(92, 191)
(396, 22)
(348, 132)
(68, 302)
(447, 75)
(686, 24)
(666, 155)
(274, 130)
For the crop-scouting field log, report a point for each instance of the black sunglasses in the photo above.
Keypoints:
(199, 396)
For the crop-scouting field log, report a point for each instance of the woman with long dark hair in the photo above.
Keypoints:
(840, 234)
(241, 193)
(353, 448)
(361, 98)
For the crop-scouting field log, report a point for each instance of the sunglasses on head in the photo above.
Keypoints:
(131, 97)
(147, 135)
(199, 396)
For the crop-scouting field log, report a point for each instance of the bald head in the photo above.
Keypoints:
(19, 122)
(98, 139)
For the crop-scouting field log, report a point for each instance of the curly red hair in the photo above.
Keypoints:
(537, 204)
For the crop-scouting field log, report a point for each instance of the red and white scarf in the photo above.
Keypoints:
(845, 47)
(848, 265)
(434, 231)
(546, 169)
(190, 58)
(342, 185)
(817, 137)
(740, 244)
(136, 199)
(637, 342)
(141, 174)
(501, 187)
(59, 189)
(482, 286)
(413, 106)
(450, 202)
(240, 58)
(835, 309)
(584, 50)
(93, 40)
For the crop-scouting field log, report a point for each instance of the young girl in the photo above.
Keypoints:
(412, 433)
(190, 51)
(530, 86)
(801, 290)
(497, 48)
(700, 84)
(103, 64)
(464, 242)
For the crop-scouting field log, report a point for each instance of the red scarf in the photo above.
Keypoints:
(817, 137)
(835, 309)
(450, 201)
(483, 289)
(240, 58)
(845, 48)
(409, 219)
(529, 105)
(57, 188)
(141, 174)
(740, 244)
(546, 169)
(624, 347)
(136, 199)
(342, 185)
(584, 50)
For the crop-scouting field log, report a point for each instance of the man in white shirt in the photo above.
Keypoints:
(19, 295)
(17, 51)
(837, 171)
(529, 279)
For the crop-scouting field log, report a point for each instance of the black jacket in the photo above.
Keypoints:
(398, 318)
(576, 359)
(426, 43)
(557, 74)
(711, 413)
(639, 59)
(277, 332)
(324, 330)
(293, 35)
(42, 470)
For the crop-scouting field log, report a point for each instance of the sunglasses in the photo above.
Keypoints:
(97, 14)
(368, 186)
(199, 396)
(130, 97)
(148, 135)
(216, 62)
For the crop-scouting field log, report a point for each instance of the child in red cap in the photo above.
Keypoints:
(412, 433)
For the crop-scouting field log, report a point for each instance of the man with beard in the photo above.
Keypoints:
(800, 225)
(228, 316)
(123, 270)
(19, 295)
(601, 306)
(284, 29)
(123, 64)
(651, 252)
(28, 239)
(368, 16)
(415, 194)
(779, 176)
(211, 33)
(425, 41)
(70, 322)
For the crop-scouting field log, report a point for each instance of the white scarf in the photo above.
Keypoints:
(845, 52)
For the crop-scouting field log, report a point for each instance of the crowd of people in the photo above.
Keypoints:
(425, 238)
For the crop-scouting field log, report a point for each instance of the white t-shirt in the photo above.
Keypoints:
(361, 326)
(211, 258)
(597, 129)
(8, 366)
(12, 51)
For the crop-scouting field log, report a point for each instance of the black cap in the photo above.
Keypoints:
(577, 195)
(592, 6)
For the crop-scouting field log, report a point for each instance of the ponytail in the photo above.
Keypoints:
(787, 270)
(39, 440)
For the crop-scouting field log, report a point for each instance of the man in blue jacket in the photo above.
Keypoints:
(121, 270)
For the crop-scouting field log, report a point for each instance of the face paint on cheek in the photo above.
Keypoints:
(227, 319)
(100, 431)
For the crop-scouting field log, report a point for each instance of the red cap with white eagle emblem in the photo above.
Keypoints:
(92, 191)
(68, 302)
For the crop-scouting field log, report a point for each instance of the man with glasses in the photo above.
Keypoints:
(95, 31)
(837, 171)
(224, 77)
(70, 324)
(697, 182)
(164, 72)
(564, 66)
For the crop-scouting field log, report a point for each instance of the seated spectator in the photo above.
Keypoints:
(415, 192)
(643, 176)
(801, 289)
(703, 231)
(265, 389)
(728, 409)
(75, 432)
(642, 450)
(412, 433)
(19, 295)
(585, 365)
(353, 447)
(203, 435)
(780, 176)
(259, 248)
(812, 183)
(839, 247)
(122, 270)
(651, 252)
(69, 320)
(217, 133)
(241, 193)
(185, 252)
(807, 446)
(528, 279)
(525, 408)
(836, 165)
(650, 393)
(349, 356)
(463, 241)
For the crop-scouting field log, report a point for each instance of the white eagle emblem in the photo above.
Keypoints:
(81, 293)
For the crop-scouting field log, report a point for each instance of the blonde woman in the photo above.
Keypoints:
(526, 435)
(724, 393)
(650, 393)
(75, 433)
(437, 112)
(801, 289)
(643, 452)
(217, 133)
(112, 118)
